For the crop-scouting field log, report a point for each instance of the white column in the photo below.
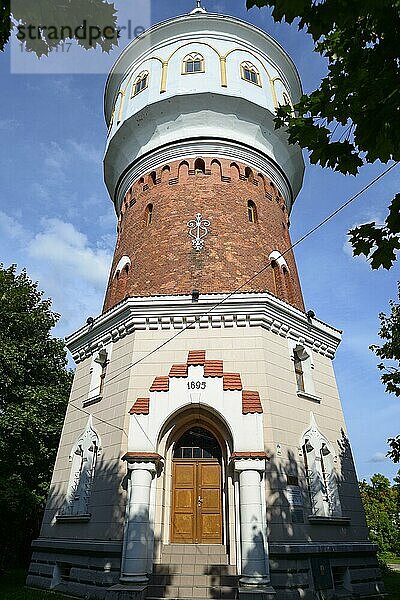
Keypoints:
(138, 534)
(254, 546)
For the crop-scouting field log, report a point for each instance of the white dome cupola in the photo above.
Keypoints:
(200, 84)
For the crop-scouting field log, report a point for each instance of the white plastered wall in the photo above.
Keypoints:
(263, 360)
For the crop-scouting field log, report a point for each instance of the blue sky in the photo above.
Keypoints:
(57, 220)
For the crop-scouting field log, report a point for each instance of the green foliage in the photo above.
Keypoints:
(5, 22)
(353, 118)
(389, 353)
(34, 388)
(379, 243)
(381, 504)
(56, 15)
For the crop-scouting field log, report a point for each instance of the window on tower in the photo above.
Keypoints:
(149, 214)
(252, 211)
(98, 373)
(303, 367)
(250, 73)
(200, 167)
(193, 63)
(141, 83)
(298, 369)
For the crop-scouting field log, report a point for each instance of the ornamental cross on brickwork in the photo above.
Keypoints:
(198, 229)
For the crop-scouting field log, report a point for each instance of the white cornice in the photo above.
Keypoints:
(192, 148)
(176, 312)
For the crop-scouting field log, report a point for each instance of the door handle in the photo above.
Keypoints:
(200, 501)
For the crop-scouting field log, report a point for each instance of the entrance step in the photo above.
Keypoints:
(190, 569)
(199, 554)
(193, 571)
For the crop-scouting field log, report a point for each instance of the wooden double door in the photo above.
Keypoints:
(196, 502)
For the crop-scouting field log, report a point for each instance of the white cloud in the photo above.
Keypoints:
(10, 227)
(69, 269)
(378, 457)
(85, 151)
(65, 248)
(55, 161)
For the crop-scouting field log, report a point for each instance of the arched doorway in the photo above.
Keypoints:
(196, 488)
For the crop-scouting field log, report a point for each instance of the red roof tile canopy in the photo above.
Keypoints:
(232, 381)
(251, 402)
(213, 368)
(160, 384)
(196, 357)
(141, 407)
(238, 455)
(178, 371)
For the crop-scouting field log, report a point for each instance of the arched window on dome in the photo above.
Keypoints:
(250, 73)
(149, 214)
(252, 211)
(193, 63)
(141, 83)
(286, 99)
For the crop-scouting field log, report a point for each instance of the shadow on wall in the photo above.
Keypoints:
(290, 496)
(84, 571)
(289, 505)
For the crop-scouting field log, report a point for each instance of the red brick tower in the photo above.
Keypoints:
(249, 227)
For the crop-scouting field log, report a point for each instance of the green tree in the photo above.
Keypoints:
(34, 389)
(381, 505)
(389, 353)
(55, 17)
(353, 118)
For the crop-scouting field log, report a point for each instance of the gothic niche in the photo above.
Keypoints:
(83, 457)
(321, 476)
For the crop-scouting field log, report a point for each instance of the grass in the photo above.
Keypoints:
(392, 585)
(12, 588)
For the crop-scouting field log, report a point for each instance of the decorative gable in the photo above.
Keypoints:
(251, 402)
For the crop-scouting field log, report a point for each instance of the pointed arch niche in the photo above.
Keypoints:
(83, 459)
(322, 479)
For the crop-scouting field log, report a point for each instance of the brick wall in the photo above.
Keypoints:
(163, 260)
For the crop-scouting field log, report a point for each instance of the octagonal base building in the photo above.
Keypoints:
(204, 452)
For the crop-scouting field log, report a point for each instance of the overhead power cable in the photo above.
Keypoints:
(245, 283)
